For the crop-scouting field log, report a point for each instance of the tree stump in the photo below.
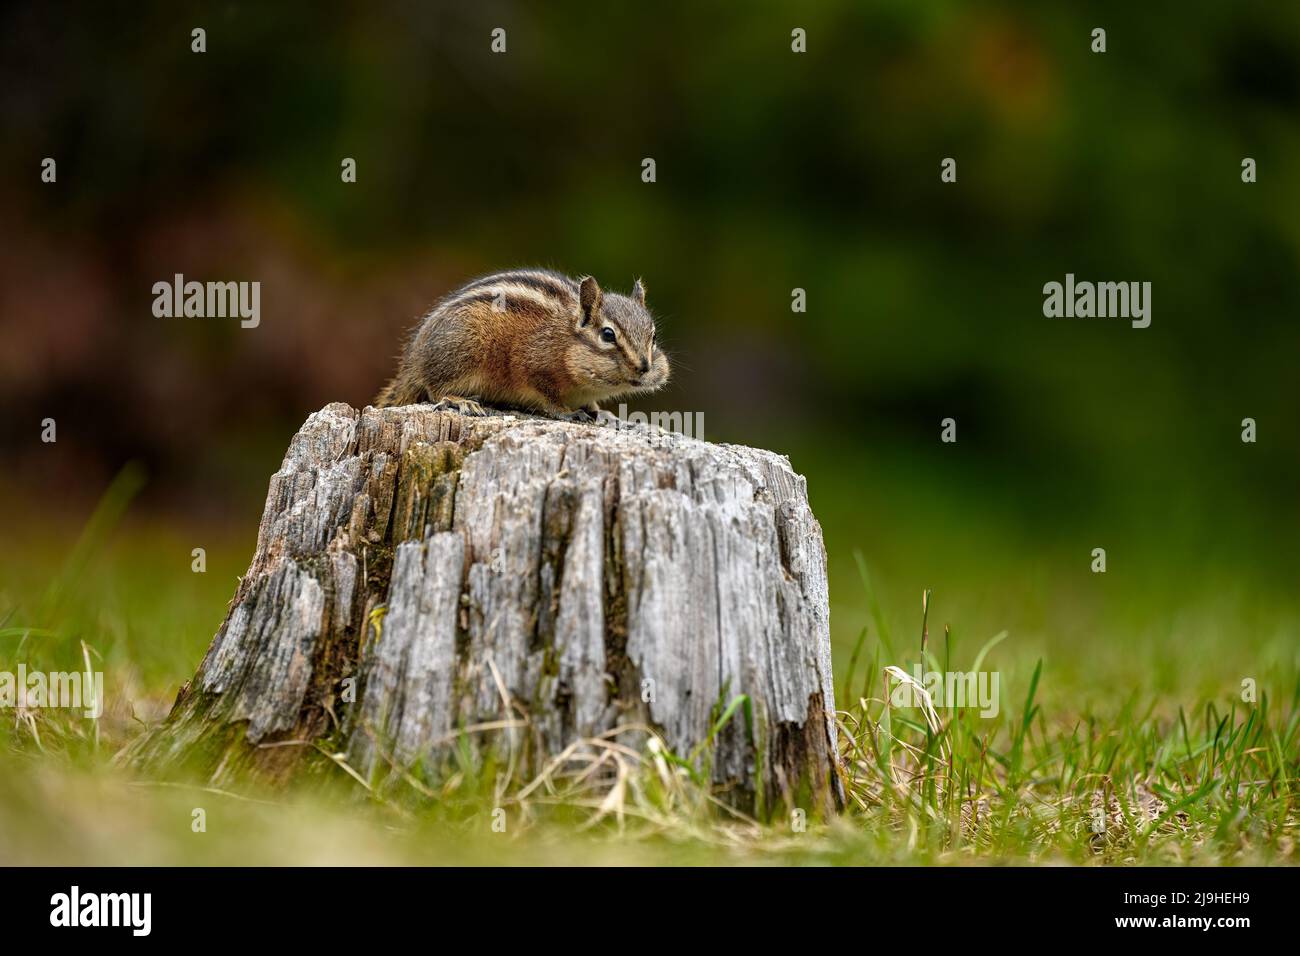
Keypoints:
(425, 580)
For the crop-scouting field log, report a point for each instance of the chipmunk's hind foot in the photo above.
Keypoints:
(465, 406)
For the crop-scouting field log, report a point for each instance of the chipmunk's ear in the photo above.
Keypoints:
(589, 297)
(638, 292)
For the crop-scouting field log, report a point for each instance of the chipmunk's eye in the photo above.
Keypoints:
(607, 334)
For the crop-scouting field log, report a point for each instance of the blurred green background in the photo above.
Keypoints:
(775, 170)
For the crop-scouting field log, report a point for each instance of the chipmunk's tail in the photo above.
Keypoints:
(402, 390)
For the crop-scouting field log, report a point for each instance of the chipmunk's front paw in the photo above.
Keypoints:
(465, 406)
(588, 415)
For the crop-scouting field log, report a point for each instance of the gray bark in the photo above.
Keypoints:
(418, 572)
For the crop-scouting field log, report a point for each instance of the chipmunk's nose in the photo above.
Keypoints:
(645, 365)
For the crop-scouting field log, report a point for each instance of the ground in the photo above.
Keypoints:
(1147, 715)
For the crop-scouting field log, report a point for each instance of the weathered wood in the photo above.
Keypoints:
(418, 572)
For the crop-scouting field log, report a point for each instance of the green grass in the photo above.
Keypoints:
(1121, 734)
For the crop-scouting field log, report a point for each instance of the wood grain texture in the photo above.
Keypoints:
(418, 572)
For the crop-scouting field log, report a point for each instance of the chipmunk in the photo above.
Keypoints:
(530, 339)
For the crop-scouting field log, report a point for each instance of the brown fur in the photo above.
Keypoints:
(531, 339)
